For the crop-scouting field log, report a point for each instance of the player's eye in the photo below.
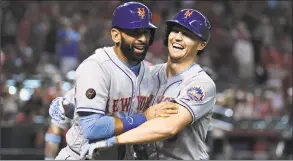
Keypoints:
(137, 32)
(147, 32)
(142, 31)
(187, 34)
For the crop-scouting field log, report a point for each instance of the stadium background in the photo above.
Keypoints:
(249, 57)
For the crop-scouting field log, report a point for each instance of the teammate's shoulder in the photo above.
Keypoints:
(200, 87)
(156, 68)
(207, 78)
(202, 77)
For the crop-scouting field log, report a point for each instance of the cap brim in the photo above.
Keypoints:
(136, 25)
(173, 21)
(152, 26)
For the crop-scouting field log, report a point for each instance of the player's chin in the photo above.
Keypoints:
(139, 57)
(176, 56)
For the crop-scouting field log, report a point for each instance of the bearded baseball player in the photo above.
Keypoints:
(180, 80)
(114, 85)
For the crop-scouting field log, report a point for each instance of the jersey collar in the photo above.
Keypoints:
(110, 51)
(189, 72)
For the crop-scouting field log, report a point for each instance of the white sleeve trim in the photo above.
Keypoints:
(89, 109)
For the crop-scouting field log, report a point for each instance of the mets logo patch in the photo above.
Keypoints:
(196, 93)
(90, 93)
(141, 13)
(188, 13)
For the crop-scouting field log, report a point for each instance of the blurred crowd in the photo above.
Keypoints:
(250, 52)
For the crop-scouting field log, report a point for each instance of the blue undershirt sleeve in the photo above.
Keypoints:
(97, 126)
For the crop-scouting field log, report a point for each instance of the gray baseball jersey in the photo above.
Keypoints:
(105, 85)
(196, 91)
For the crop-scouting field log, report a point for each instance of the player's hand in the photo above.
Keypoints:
(93, 148)
(60, 108)
(56, 110)
(85, 152)
(163, 109)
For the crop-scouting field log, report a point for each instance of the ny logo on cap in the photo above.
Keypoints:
(188, 13)
(141, 12)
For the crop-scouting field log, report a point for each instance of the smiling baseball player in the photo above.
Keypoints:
(114, 85)
(180, 80)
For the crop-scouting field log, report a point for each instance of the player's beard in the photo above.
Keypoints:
(130, 54)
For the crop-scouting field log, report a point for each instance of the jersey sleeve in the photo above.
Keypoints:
(92, 88)
(199, 97)
(70, 95)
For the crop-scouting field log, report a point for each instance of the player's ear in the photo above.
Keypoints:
(116, 35)
(201, 45)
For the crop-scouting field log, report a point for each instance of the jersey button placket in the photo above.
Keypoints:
(133, 97)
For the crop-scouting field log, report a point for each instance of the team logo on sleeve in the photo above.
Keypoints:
(90, 93)
(196, 93)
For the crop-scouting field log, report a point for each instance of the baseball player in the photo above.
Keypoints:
(55, 133)
(114, 85)
(181, 80)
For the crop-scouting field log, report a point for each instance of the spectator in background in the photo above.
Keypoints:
(10, 106)
(56, 90)
(51, 39)
(2, 60)
(243, 53)
(33, 108)
(12, 63)
(265, 31)
(92, 34)
(67, 46)
(243, 105)
(288, 78)
(24, 29)
(271, 57)
(39, 32)
(289, 105)
(278, 102)
(105, 39)
(8, 29)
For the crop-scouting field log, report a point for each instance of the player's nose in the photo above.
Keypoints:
(178, 36)
(143, 38)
